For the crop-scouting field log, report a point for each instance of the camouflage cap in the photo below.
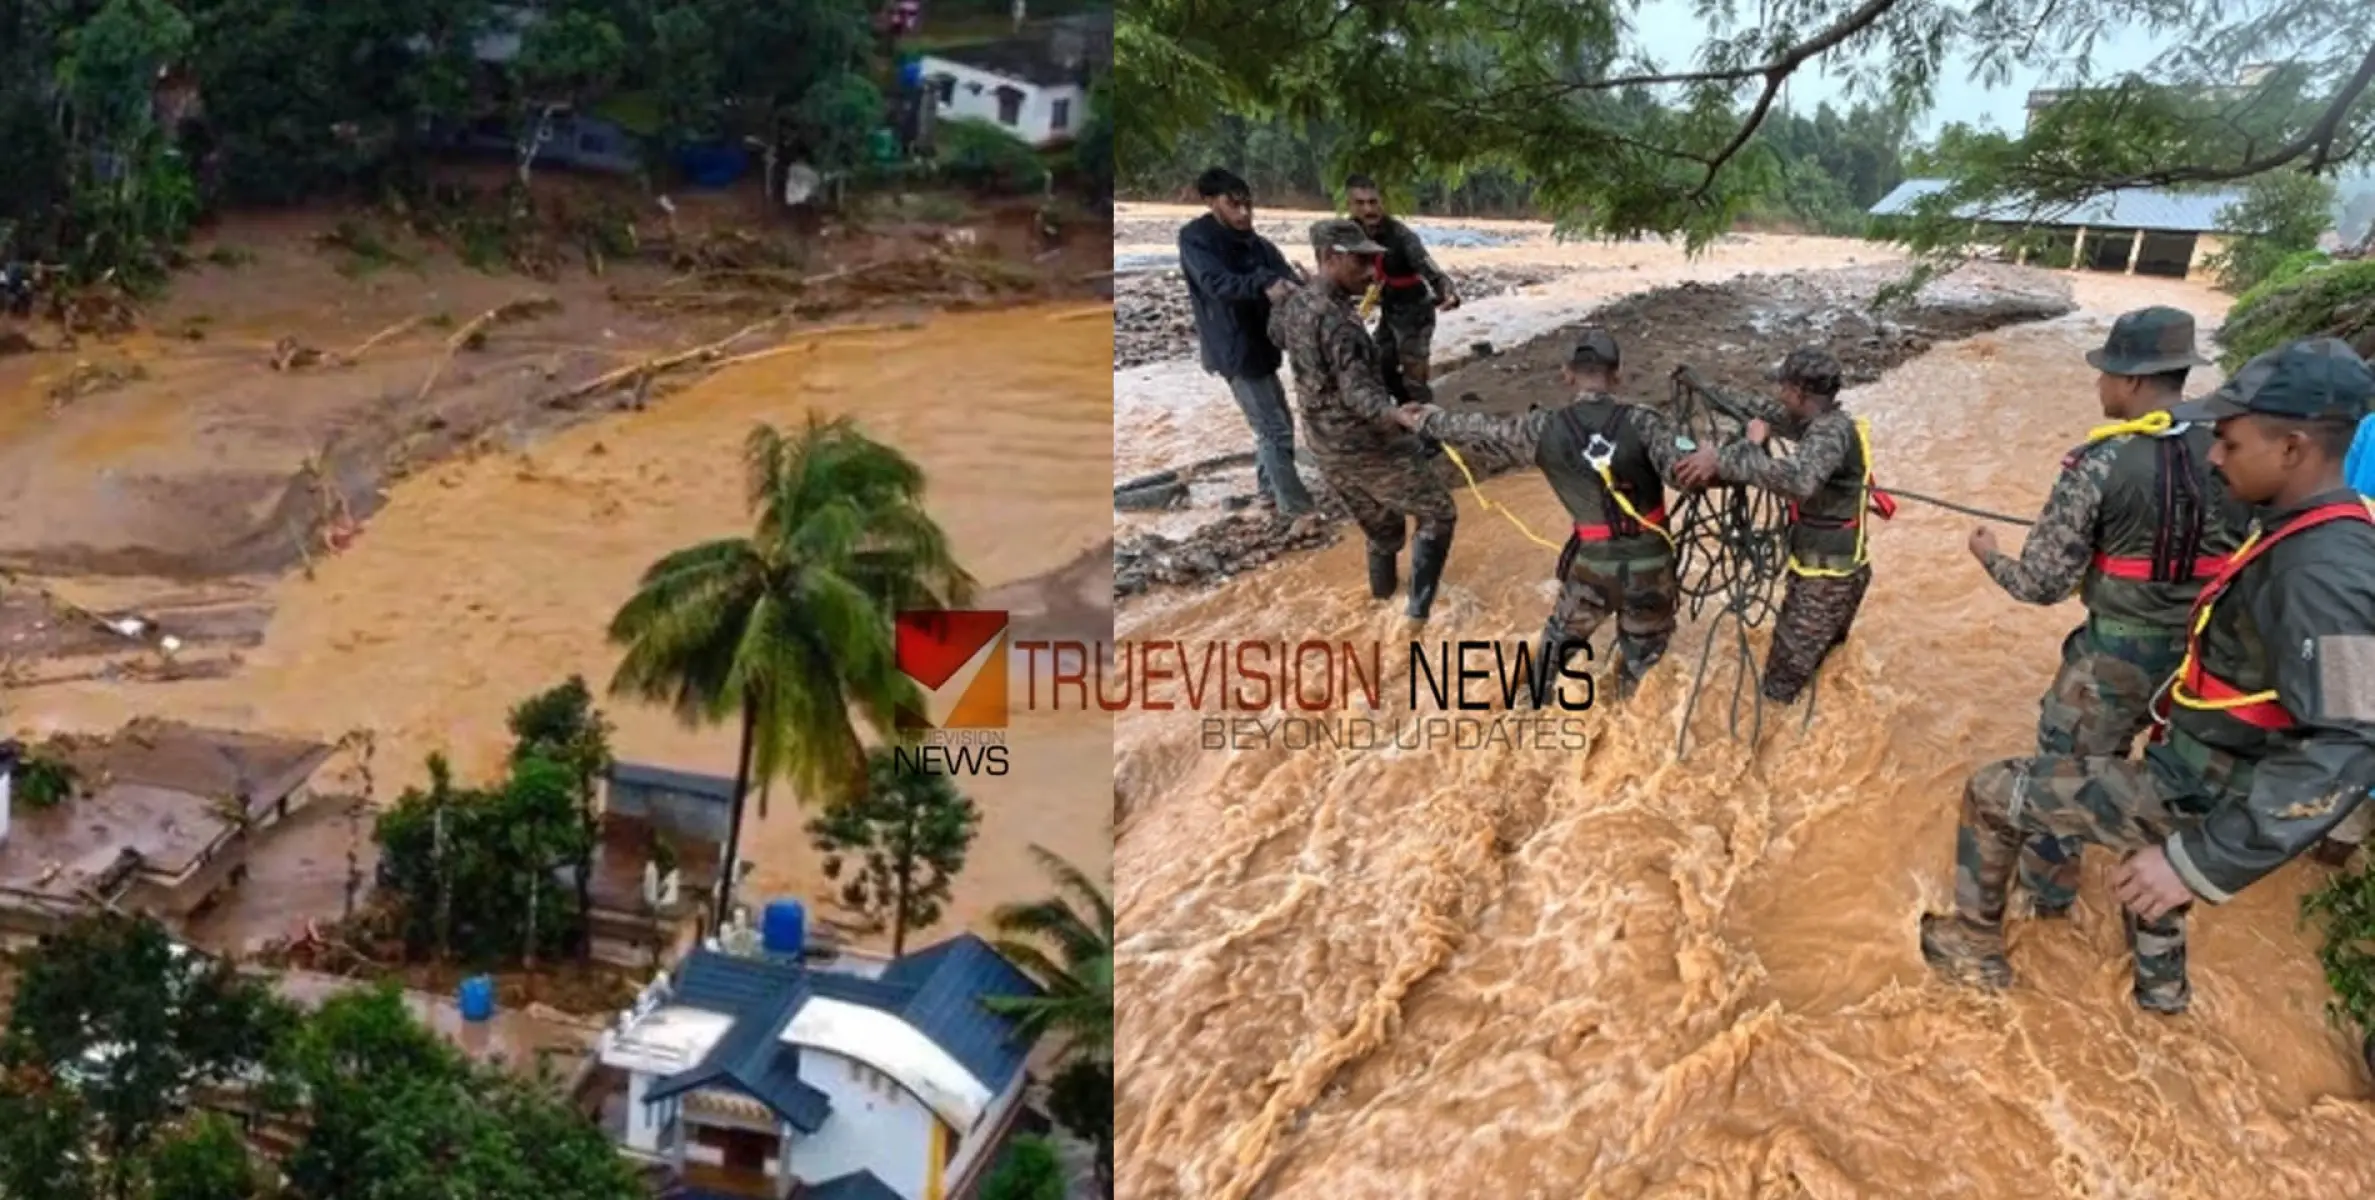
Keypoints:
(2148, 341)
(1810, 367)
(2303, 380)
(1596, 347)
(1343, 236)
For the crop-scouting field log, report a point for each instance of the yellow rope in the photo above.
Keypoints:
(2150, 423)
(1489, 506)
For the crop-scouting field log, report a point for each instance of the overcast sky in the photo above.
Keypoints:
(1677, 33)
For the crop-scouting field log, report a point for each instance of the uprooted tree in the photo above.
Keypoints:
(1615, 142)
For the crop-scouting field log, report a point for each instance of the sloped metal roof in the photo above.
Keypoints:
(2156, 209)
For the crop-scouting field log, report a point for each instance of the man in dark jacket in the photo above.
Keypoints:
(1233, 277)
(2267, 735)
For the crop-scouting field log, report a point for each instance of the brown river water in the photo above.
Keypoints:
(1600, 972)
(485, 580)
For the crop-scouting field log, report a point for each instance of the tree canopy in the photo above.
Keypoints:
(1572, 97)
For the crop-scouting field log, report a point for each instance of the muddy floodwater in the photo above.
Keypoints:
(486, 579)
(1597, 971)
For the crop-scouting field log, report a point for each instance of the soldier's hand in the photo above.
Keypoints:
(2148, 886)
(1983, 543)
(1758, 431)
(1697, 469)
(1449, 302)
(1279, 290)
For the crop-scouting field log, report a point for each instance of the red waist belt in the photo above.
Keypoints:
(1400, 281)
(2259, 714)
(2139, 570)
(1602, 533)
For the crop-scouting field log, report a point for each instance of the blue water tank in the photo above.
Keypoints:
(784, 929)
(911, 75)
(713, 165)
(478, 998)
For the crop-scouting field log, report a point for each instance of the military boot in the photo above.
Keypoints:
(1965, 952)
(1427, 555)
(1382, 567)
(2161, 983)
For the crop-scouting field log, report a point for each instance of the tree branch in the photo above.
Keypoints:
(1778, 73)
(2317, 142)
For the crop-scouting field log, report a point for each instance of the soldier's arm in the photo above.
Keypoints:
(1202, 262)
(1346, 348)
(1516, 436)
(1818, 454)
(2315, 627)
(1658, 436)
(1749, 405)
(2054, 556)
(1425, 263)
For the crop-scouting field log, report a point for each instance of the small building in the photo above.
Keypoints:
(1034, 86)
(856, 1077)
(2137, 231)
(679, 804)
(169, 817)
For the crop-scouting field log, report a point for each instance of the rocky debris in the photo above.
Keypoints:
(1151, 321)
(1219, 550)
(1731, 333)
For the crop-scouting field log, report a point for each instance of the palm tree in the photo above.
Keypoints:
(792, 624)
(1078, 1001)
(1078, 976)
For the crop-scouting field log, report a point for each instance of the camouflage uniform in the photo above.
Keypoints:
(2227, 795)
(1405, 277)
(1611, 565)
(1824, 481)
(2135, 523)
(1376, 468)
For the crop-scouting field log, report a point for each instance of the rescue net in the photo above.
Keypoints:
(1730, 553)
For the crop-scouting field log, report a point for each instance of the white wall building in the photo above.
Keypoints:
(768, 1076)
(1034, 87)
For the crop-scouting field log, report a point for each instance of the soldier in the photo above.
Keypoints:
(1609, 463)
(2267, 733)
(2136, 525)
(1828, 482)
(1376, 467)
(1403, 276)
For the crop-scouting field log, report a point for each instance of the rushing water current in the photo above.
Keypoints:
(1602, 972)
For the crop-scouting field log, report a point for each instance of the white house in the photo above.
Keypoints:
(1034, 87)
(765, 1076)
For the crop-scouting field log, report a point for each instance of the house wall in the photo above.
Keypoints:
(643, 1121)
(972, 95)
(2204, 246)
(677, 813)
(972, 1156)
(876, 1126)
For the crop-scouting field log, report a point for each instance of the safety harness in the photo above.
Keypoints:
(1869, 498)
(1599, 452)
(2195, 688)
(2177, 538)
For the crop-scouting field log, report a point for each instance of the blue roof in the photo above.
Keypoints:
(938, 990)
(713, 787)
(2156, 209)
(857, 1185)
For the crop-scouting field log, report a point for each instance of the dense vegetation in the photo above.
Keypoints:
(106, 170)
(1613, 137)
(120, 1042)
(1829, 167)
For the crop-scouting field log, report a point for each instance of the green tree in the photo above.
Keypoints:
(44, 1137)
(1574, 98)
(134, 1022)
(565, 60)
(1092, 154)
(397, 1114)
(1029, 1170)
(206, 1161)
(494, 848)
(562, 726)
(1065, 942)
(2281, 214)
(792, 624)
(900, 845)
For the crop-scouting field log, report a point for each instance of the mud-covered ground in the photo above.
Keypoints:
(1152, 323)
(1731, 333)
(253, 420)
